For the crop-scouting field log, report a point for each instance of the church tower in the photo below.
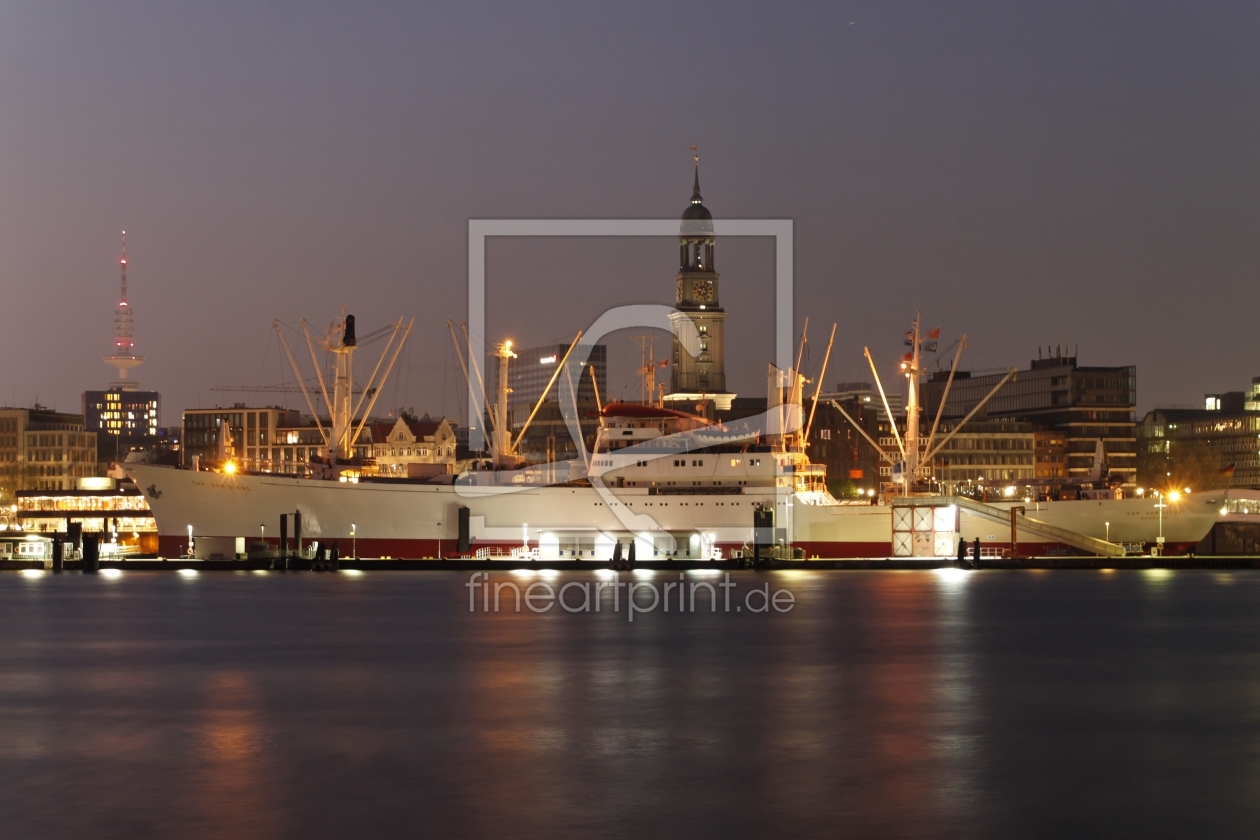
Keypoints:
(700, 375)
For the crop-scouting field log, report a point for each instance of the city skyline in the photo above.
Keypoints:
(950, 162)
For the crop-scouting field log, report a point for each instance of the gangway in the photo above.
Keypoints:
(1015, 516)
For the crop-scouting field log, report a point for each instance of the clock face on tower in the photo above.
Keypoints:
(702, 291)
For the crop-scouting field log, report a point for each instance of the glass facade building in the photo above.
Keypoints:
(548, 437)
(1229, 442)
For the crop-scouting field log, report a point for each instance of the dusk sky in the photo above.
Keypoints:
(1030, 174)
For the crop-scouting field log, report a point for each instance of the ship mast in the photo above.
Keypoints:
(343, 383)
(911, 368)
(912, 458)
(647, 369)
(503, 455)
(343, 434)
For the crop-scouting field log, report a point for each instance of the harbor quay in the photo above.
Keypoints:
(902, 564)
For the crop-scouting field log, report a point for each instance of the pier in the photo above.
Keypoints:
(455, 564)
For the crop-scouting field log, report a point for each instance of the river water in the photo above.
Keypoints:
(877, 704)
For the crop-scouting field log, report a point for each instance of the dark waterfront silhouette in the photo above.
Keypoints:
(992, 705)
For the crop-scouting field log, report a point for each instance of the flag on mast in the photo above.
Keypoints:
(933, 336)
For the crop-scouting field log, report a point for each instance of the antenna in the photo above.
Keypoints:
(124, 357)
(647, 370)
(123, 262)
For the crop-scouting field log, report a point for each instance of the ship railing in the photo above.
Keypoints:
(498, 553)
(1024, 522)
(118, 550)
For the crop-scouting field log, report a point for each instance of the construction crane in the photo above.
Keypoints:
(266, 389)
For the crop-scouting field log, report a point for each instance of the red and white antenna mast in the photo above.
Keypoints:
(124, 357)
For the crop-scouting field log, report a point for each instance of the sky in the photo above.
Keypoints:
(1030, 174)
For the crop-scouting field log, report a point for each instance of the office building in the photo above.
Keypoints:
(995, 451)
(43, 450)
(1214, 446)
(124, 419)
(1085, 404)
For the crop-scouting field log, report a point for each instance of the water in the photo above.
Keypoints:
(884, 704)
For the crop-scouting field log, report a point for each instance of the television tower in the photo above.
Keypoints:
(124, 357)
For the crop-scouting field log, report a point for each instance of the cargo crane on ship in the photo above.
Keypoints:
(505, 449)
(347, 416)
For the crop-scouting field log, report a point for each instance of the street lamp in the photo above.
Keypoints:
(354, 542)
(190, 541)
(1108, 524)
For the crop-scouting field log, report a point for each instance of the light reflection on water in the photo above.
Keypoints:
(979, 704)
(229, 788)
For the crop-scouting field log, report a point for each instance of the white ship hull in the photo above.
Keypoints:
(386, 519)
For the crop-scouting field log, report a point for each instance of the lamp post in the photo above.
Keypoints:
(190, 540)
(1159, 542)
(354, 542)
(1108, 524)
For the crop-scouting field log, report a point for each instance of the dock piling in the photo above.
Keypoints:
(91, 563)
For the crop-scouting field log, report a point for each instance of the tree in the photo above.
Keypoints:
(13, 477)
(1187, 463)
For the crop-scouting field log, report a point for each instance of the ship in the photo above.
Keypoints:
(671, 483)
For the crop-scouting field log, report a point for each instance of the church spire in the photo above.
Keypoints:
(697, 372)
(695, 192)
